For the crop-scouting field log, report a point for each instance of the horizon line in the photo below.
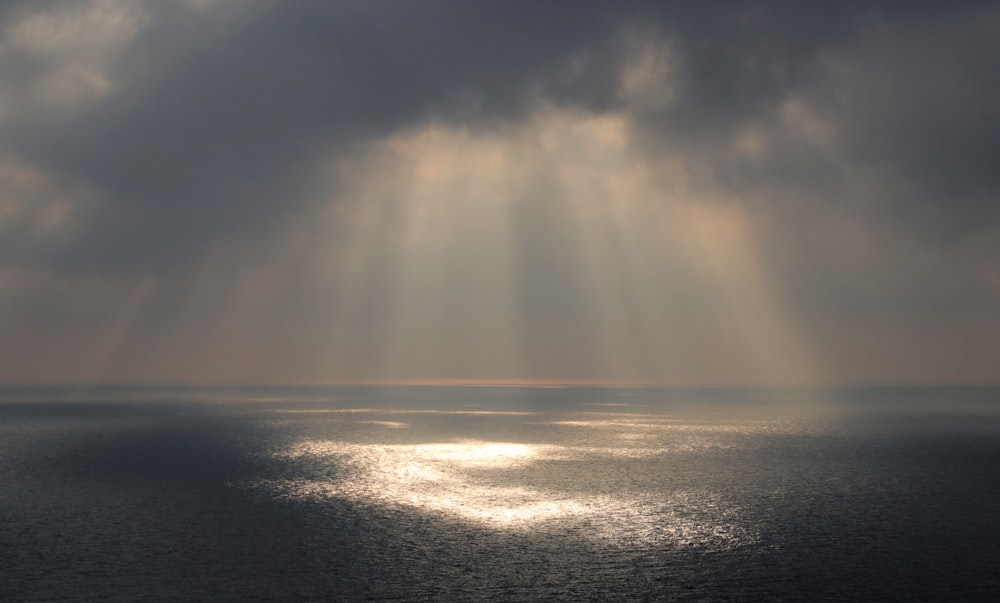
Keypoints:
(499, 382)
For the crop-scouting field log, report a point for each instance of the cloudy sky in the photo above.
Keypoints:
(219, 191)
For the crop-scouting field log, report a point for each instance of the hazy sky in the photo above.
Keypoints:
(321, 191)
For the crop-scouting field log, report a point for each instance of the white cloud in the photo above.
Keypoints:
(40, 210)
(649, 78)
(67, 51)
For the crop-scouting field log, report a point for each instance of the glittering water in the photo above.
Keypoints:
(459, 493)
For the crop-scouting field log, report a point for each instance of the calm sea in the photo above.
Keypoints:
(499, 493)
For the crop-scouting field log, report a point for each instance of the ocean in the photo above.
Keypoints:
(460, 493)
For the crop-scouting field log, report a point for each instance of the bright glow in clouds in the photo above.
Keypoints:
(549, 249)
(195, 192)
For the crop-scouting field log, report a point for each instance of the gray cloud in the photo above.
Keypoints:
(216, 117)
(919, 103)
(170, 163)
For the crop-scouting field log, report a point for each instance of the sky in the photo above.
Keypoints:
(724, 193)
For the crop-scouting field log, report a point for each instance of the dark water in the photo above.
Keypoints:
(430, 493)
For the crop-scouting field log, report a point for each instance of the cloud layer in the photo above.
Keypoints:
(314, 191)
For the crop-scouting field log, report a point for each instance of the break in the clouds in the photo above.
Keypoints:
(762, 192)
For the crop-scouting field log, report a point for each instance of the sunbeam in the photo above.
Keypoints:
(499, 300)
(546, 251)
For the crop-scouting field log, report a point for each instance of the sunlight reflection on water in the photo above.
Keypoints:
(872, 500)
(514, 486)
(328, 411)
(389, 424)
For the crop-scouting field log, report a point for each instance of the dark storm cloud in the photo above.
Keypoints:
(217, 117)
(909, 88)
(919, 104)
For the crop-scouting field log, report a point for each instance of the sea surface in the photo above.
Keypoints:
(499, 493)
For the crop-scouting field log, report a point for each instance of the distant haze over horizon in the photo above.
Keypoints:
(507, 383)
(638, 192)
